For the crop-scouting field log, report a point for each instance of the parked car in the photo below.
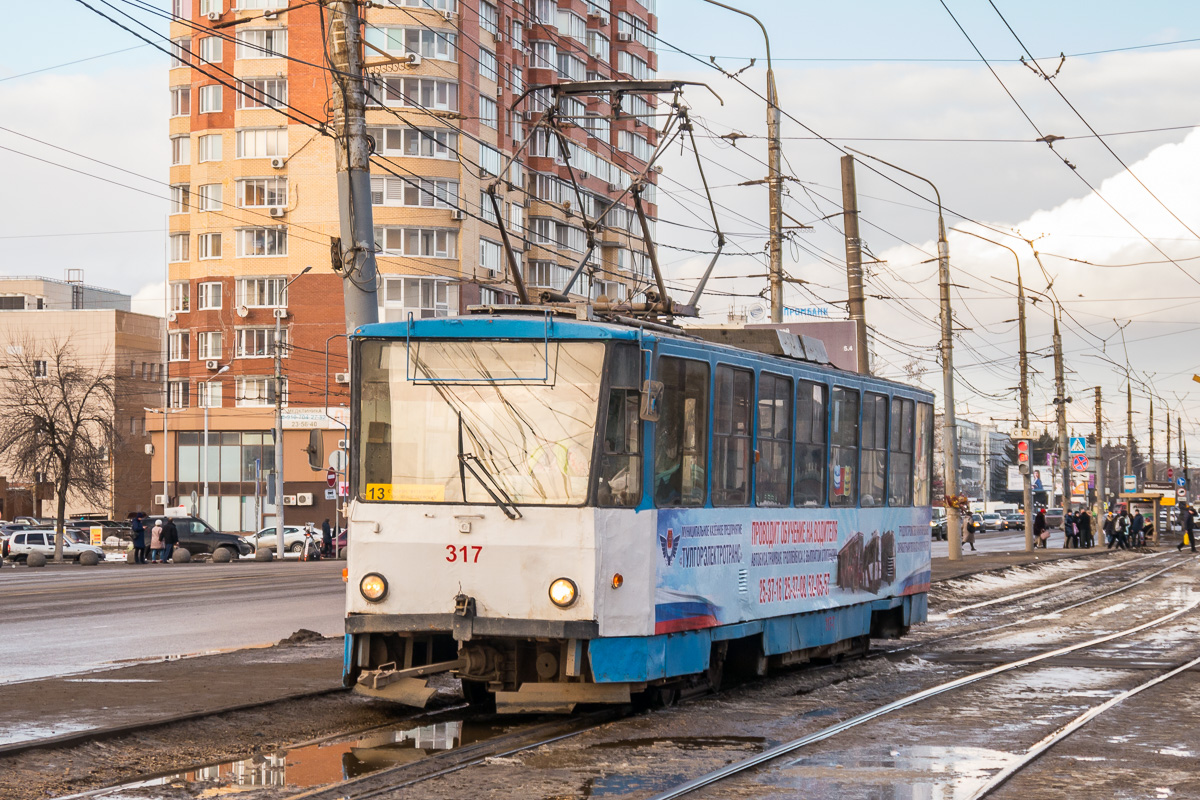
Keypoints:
(22, 543)
(975, 523)
(1014, 521)
(1054, 517)
(293, 538)
(199, 537)
(993, 522)
(937, 524)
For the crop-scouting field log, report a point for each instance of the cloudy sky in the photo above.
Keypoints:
(899, 81)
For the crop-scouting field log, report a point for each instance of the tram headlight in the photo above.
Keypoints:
(373, 586)
(563, 592)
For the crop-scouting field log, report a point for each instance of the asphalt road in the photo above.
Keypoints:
(59, 620)
(996, 542)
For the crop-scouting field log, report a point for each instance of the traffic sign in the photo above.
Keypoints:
(1180, 482)
(1078, 445)
(331, 477)
(1170, 472)
(1021, 433)
(1129, 483)
(1079, 463)
(331, 494)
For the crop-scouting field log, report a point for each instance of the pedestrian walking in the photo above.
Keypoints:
(1040, 532)
(139, 537)
(327, 539)
(156, 542)
(170, 538)
(1110, 529)
(1189, 529)
(1070, 532)
(1087, 541)
(1137, 529)
(1121, 531)
(968, 534)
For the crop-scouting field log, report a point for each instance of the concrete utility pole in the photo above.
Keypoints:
(1168, 440)
(1027, 478)
(279, 416)
(1099, 507)
(1061, 400)
(1129, 427)
(854, 270)
(1150, 473)
(353, 157)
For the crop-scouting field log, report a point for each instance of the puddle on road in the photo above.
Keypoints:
(892, 773)
(25, 732)
(325, 762)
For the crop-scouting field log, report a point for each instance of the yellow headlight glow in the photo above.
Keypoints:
(562, 592)
(373, 587)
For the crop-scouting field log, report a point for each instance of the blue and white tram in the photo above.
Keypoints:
(563, 511)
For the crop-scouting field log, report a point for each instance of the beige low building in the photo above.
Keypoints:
(127, 344)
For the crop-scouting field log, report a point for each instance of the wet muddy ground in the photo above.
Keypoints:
(944, 747)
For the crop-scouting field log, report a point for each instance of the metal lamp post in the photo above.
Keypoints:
(279, 420)
(207, 400)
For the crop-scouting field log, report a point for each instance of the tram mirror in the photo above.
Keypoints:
(316, 450)
(652, 392)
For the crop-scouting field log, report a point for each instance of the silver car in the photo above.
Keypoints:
(293, 538)
(22, 543)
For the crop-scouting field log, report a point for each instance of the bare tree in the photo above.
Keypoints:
(57, 418)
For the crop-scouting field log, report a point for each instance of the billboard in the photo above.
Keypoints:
(1016, 482)
(839, 337)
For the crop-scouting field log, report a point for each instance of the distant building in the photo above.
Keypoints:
(982, 458)
(103, 333)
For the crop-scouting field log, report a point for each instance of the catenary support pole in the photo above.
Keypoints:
(854, 270)
(1129, 426)
(1027, 478)
(279, 415)
(353, 157)
(1151, 475)
(1060, 400)
(1098, 509)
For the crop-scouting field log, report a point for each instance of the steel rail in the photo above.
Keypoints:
(778, 751)
(997, 780)
(1047, 587)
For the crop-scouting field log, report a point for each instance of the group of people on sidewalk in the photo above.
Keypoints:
(163, 538)
(1121, 530)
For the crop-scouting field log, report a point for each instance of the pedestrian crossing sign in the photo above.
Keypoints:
(1078, 445)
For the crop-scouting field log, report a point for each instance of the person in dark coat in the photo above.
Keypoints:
(1110, 529)
(1085, 530)
(1137, 529)
(1070, 531)
(1120, 531)
(1039, 529)
(139, 537)
(326, 538)
(1189, 528)
(170, 538)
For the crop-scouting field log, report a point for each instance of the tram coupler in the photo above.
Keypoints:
(405, 686)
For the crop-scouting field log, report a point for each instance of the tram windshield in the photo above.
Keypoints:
(477, 421)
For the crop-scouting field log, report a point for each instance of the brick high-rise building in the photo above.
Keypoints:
(255, 202)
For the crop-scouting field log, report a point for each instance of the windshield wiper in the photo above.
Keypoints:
(491, 485)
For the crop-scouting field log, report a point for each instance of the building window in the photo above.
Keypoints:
(571, 68)
(261, 292)
(423, 93)
(262, 43)
(179, 198)
(209, 147)
(635, 28)
(208, 345)
(427, 242)
(262, 5)
(423, 297)
(598, 44)
(488, 68)
(486, 210)
(211, 7)
(181, 296)
(208, 245)
(12, 303)
(488, 113)
(181, 9)
(256, 391)
(181, 101)
(181, 52)
(545, 56)
(259, 342)
(180, 250)
(177, 345)
(262, 93)
(427, 193)
(844, 451)
(208, 394)
(40, 369)
(208, 296)
(210, 197)
(262, 142)
(181, 150)
(178, 394)
(210, 99)
(489, 17)
(210, 49)
(262, 192)
(491, 257)
(255, 242)
(635, 144)
(633, 66)
(490, 159)
(572, 25)
(421, 143)
(518, 34)
(440, 45)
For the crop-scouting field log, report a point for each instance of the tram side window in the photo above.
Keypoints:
(923, 455)
(681, 434)
(731, 437)
(900, 477)
(811, 413)
(874, 450)
(843, 456)
(620, 476)
(773, 472)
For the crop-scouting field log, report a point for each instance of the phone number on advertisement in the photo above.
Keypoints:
(792, 587)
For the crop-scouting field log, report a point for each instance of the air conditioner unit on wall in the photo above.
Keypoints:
(276, 211)
(172, 317)
(624, 37)
(414, 59)
(289, 499)
(278, 162)
(212, 363)
(304, 498)
(213, 16)
(160, 499)
(341, 377)
(458, 213)
(281, 313)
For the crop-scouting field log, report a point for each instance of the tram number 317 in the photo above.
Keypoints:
(463, 553)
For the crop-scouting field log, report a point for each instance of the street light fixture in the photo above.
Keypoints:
(207, 402)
